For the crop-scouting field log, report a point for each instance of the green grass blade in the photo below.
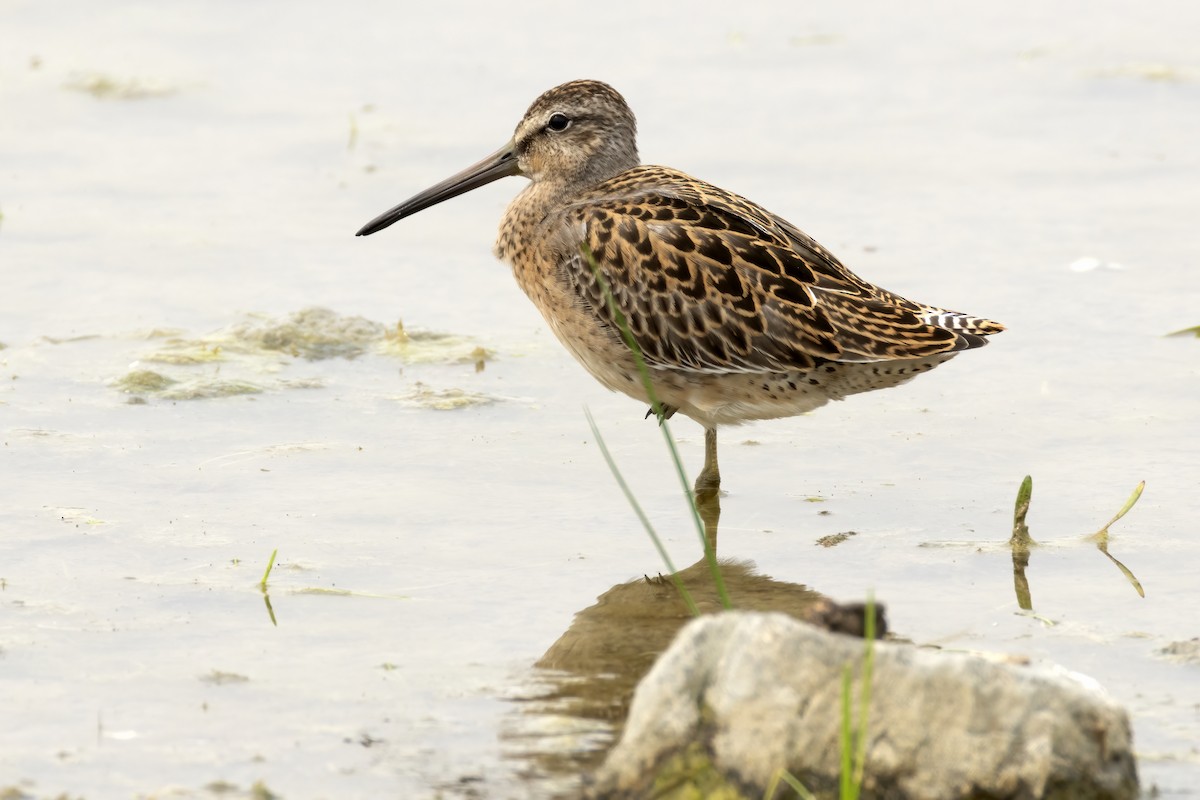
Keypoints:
(853, 739)
(1125, 509)
(846, 773)
(263, 584)
(1100, 537)
(1024, 498)
(657, 407)
(782, 775)
(641, 515)
(864, 708)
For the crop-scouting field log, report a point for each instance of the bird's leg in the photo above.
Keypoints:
(708, 504)
(709, 479)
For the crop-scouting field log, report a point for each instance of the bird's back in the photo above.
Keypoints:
(710, 281)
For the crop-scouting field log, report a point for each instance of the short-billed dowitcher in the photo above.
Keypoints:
(739, 315)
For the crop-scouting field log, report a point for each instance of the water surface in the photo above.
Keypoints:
(177, 187)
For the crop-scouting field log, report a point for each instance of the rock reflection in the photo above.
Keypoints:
(584, 682)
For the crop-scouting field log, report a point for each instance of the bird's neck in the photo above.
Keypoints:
(525, 213)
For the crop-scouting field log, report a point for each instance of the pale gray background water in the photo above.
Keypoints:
(965, 158)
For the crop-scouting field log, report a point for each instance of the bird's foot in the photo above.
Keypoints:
(662, 412)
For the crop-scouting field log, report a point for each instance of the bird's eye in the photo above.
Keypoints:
(558, 122)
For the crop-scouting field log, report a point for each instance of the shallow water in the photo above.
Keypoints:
(173, 185)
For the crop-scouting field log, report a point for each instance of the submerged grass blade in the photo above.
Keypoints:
(641, 515)
(657, 407)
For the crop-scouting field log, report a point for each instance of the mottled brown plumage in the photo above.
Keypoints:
(739, 314)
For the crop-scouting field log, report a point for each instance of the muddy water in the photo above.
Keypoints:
(178, 192)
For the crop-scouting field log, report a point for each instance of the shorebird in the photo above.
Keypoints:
(738, 314)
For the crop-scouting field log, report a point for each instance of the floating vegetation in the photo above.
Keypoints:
(143, 381)
(262, 344)
(1182, 652)
(259, 791)
(302, 383)
(147, 382)
(834, 539)
(219, 678)
(77, 516)
(208, 389)
(181, 352)
(316, 334)
(107, 87)
(1192, 331)
(430, 347)
(313, 334)
(1147, 71)
(84, 337)
(422, 396)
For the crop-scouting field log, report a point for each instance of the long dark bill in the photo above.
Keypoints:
(499, 164)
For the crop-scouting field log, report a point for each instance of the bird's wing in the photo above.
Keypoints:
(710, 282)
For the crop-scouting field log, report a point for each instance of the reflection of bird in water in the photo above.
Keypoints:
(740, 316)
(611, 645)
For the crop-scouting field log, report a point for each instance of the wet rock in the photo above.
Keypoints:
(603, 663)
(754, 693)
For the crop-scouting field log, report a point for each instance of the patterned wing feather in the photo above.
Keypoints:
(710, 282)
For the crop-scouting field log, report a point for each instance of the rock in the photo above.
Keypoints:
(746, 694)
(611, 645)
(588, 676)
